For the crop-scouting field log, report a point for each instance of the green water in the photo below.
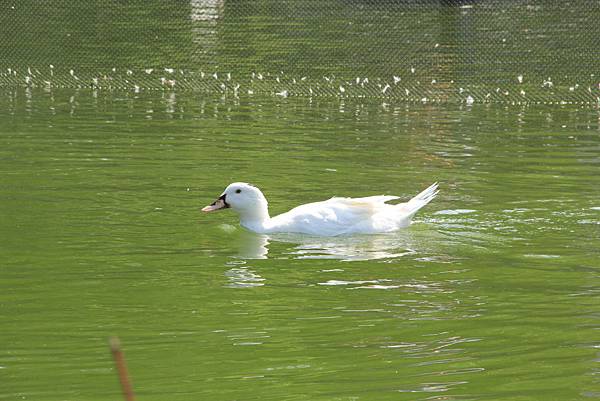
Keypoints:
(491, 294)
(107, 156)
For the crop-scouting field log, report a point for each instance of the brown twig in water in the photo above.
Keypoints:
(115, 348)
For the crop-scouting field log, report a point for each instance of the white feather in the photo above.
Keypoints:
(336, 216)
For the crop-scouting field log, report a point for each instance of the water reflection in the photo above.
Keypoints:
(252, 246)
(242, 276)
(205, 15)
(206, 10)
(346, 248)
(363, 247)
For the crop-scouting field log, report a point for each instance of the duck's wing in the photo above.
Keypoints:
(368, 202)
(331, 217)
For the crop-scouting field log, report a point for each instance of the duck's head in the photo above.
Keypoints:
(243, 198)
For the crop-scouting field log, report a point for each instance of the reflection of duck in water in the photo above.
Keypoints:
(336, 216)
(300, 246)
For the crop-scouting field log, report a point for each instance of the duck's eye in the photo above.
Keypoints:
(238, 191)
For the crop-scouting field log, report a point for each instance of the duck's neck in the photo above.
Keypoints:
(256, 219)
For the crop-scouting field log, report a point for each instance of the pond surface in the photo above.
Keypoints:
(492, 293)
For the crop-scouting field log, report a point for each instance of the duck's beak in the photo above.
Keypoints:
(216, 205)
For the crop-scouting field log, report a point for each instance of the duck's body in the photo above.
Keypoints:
(336, 216)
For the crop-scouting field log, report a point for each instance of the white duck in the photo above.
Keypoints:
(336, 216)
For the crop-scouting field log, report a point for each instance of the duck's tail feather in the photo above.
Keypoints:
(412, 206)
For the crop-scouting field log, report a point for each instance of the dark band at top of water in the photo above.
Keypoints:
(509, 52)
